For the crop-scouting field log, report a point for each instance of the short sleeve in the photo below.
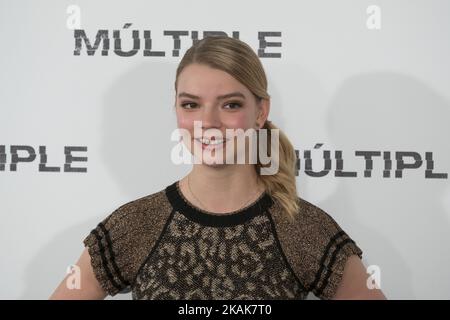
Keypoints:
(328, 248)
(108, 245)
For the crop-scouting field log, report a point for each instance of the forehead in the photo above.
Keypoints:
(207, 82)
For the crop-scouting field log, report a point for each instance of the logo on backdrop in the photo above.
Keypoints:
(22, 155)
(143, 43)
(395, 163)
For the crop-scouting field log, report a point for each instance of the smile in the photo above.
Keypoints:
(210, 143)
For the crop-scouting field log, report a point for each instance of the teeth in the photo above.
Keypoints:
(212, 142)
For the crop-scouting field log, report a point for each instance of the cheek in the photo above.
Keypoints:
(240, 120)
(185, 120)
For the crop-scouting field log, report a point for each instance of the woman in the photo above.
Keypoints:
(226, 230)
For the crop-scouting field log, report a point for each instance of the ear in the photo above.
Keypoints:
(263, 112)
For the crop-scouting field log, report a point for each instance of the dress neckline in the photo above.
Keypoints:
(196, 214)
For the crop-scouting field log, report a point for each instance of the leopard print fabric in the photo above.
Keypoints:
(194, 261)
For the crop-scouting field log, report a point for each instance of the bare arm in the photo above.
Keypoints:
(90, 287)
(353, 285)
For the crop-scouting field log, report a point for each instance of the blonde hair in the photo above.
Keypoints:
(240, 61)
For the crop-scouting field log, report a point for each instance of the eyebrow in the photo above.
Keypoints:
(225, 96)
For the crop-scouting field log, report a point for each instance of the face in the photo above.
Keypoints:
(220, 102)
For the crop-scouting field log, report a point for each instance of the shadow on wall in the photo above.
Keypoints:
(138, 119)
(406, 224)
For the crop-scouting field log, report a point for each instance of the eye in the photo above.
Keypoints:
(186, 104)
(236, 105)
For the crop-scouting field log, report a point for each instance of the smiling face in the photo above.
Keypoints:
(220, 102)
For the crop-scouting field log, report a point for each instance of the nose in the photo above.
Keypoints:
(210, 118)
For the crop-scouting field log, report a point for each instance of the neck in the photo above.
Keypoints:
(222, 189)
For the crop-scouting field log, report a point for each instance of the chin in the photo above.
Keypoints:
(213, 164)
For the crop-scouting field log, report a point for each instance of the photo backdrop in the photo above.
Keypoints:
(362, 89)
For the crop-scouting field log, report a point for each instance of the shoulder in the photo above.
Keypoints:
(316, 219)
(122, 240)
(316, 246)
(320, 232)
(138, 211)
(311, 221)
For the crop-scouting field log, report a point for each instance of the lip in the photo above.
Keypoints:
(211, 146)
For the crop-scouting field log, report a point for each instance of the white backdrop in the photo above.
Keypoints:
(334, 80)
